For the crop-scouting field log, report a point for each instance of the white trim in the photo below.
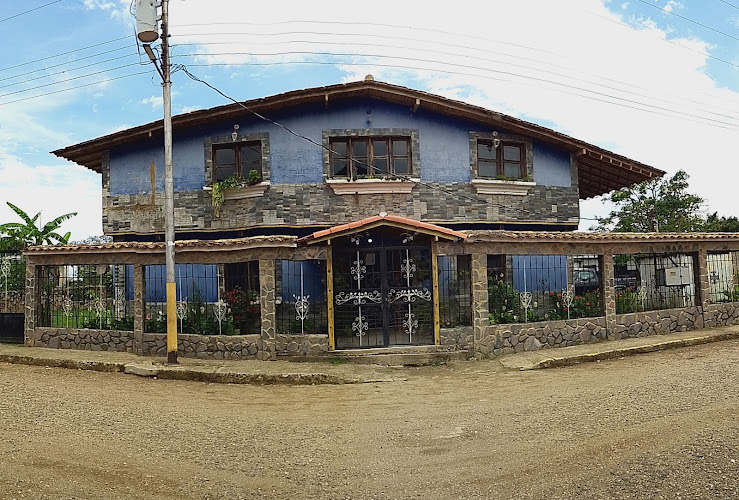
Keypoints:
(253, 191)
(497, 186)
(371, 186)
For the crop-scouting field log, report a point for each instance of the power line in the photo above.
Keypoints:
(76, 87)
(689, 20)
(331, 151)
(68, 80)
(65, 53)
(501, 72)
(730, 4)
(451, 72)
(30, 10)
(567, 76)
(59, 72)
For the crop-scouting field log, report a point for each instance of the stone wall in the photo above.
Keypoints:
(506, 339)
(724, 314)
(317, 205)
(647, 323)
(205, 346)
(86, 340)
(459, 338)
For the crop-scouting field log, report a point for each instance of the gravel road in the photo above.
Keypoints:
(663, 425)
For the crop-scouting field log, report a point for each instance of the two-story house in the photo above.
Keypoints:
(343, 212)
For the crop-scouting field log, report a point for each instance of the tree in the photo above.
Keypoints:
(662, 205)
(28, 233)
(714, 224)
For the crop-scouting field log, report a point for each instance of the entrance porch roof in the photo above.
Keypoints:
(382, 220)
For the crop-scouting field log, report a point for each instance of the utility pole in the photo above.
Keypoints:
(146, 29)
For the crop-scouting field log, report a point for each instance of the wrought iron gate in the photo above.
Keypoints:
(382, 294)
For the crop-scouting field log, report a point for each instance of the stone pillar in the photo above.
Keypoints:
(267, 346)
(32, 302)
(702, 285)
(607, 283)
(480, 314)
(139, 308)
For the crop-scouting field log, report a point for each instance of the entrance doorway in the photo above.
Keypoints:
(383, 289)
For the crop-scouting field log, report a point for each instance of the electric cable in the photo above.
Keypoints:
(74, 51)
(426, 50)
(659, 109)
(30, 10)
(356, 162)
(76, 87)
(667, 11)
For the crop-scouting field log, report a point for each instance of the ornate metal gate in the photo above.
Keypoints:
(383, 291)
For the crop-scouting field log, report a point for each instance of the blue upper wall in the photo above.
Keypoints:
(444, 147)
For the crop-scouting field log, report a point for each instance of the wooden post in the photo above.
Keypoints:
(435, 285)
(330, 296)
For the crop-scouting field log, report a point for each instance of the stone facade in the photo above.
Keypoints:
(506, 339)
(317, 205)
(85, 340)
(460, 338)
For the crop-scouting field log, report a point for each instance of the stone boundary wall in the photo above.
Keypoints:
(300, 345)
(509, 338)
(85, 340)
(459, 338)
(644, 324)
(204, 346)
(724, 314)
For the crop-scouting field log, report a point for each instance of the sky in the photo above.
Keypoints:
(654, 80)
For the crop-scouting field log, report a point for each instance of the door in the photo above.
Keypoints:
(382, 294)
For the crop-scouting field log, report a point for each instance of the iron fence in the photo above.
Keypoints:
(723, 277)
(455, 291)
(648, 282)
(529, 288)
(300, 296)
(212, 299)
(12, 282)
(94, 296)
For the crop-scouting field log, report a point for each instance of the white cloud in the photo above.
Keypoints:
(155, 101)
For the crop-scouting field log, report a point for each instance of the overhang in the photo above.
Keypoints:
(382, 220)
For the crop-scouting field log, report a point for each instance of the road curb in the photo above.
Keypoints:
(560, 361)
(219, 375)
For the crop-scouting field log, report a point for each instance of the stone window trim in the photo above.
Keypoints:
(528, 147)
(488, 186)
(369, 133)
(262, 138)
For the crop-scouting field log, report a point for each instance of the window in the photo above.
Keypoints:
(238, 158)
(360, 157)
(508, 160)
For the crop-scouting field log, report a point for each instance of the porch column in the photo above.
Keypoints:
(139, 308)
(32, 300)
(267, 305)
(608, 293)
(702, 284)
(435, 286)
(330, 296)
(480, 314)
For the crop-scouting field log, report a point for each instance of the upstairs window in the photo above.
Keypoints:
(369, 157)
(507, 161)
(238, 158)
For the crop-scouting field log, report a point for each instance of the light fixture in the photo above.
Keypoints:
(496, 141)
(234, 134)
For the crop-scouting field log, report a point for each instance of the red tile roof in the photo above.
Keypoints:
(376, 220)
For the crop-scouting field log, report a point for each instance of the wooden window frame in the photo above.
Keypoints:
(390, 157)
(236, 147)
(500, 160)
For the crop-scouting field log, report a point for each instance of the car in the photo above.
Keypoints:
(586, 280)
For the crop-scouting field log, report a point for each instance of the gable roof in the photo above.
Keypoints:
(599, 171)
(382, 220)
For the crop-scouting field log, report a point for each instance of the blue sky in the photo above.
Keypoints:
(655, 80)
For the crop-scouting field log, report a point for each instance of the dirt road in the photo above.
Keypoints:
(664, 425)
